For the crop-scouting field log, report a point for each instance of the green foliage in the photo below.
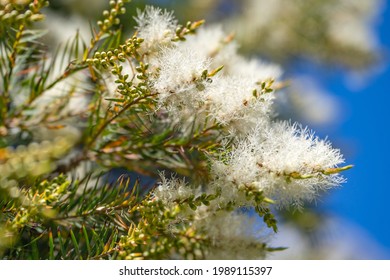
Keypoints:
(44, 213)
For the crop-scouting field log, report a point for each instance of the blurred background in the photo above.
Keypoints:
(335, 57)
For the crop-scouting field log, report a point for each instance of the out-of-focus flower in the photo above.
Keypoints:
(336, 31)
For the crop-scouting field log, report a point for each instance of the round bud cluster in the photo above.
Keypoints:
(111, 16)
(110, 58)
(22, 13)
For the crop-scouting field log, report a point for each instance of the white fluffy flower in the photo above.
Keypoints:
(179, 82)
(211, 42)
(215, 43)
(226, 99)
(179, 67)
(231, 99)
(156, 27)
(173, 190)
(255, 68)
(287, 162)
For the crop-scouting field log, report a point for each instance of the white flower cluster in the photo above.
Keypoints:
(186, 82)
(232, 235)
(286, 162)
(280, 160)
(173, 190)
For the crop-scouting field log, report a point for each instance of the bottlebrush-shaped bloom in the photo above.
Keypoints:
(287, 162)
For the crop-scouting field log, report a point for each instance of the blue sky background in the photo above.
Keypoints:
(363, 136)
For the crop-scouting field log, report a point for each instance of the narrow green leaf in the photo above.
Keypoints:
(276, 249)
(75, 244)
(51, 246)
(62, 249)
(99, 245)
(330, 171)
(215, 71)
(113, 240)
(34, 250)
(87, 240)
